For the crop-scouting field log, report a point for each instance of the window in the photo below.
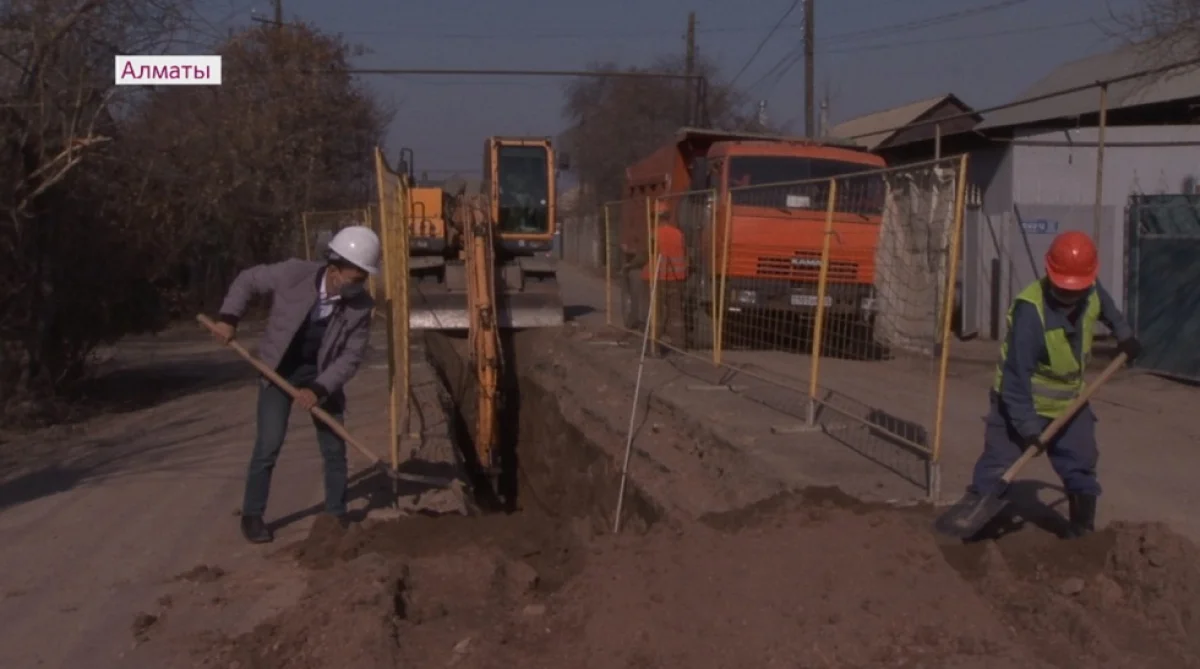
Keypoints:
(699, 174)
(523, 173)
(860, 193)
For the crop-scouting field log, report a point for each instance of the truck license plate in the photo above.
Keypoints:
(809, 300)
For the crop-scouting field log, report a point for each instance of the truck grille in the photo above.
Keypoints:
(805, 267)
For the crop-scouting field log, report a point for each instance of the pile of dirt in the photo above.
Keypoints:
(809, 579)
(1127, 596)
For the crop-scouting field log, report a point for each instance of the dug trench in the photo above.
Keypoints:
(798, 579)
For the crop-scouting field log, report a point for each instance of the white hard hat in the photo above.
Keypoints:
(357, 245)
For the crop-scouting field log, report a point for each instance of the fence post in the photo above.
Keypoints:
(933, 476)
(712, 275)
(304, 230)
(389, 268)
(727, 231)
(1098, 206)
(607, 266)
(404, 204)
(822, 287)
(652, 247)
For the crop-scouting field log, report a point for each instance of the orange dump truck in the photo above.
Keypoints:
(707, 184)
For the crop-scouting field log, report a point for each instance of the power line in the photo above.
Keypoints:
(620, 74)
(763, 42)
(929, 22)
(646, 34)
(937, 19)
(960, 38)
(1037, 98)
(779, 70)
(796, 54)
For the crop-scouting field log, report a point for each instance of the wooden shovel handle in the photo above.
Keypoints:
(321, 414)
(1057, 424)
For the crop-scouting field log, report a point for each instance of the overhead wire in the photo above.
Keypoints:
(790, 59)
(757, 50)
(958, 38)
(1154, 71)
(931, 21)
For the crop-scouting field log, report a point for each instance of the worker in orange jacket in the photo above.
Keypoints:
(671, 257)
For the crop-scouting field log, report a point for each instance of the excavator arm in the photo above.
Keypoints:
(483, 333)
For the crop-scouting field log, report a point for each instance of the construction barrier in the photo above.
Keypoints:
(391, 217)
(841, 290)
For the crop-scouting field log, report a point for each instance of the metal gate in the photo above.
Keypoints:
(1163, 282)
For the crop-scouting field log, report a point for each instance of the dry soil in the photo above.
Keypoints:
(808, 578)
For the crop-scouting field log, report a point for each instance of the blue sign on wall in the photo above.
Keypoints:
(1040, 226)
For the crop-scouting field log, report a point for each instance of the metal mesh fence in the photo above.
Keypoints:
(840, 289)
(391, 221)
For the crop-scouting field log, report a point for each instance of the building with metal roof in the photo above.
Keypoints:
(912, 122)
(1178, 87)
(1043, 167)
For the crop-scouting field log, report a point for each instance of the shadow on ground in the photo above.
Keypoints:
(99, 461)
(576, 311)
(143, 385)
(378, 489)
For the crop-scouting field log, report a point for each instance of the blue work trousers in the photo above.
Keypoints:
(1073, 452)
(274, 409)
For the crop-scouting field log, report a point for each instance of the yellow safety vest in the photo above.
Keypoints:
(1059, 379)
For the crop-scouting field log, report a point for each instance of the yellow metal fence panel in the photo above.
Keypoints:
(392, 202)
(856, 274)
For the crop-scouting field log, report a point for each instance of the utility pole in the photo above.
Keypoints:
(809, 70)
(690, 69)
(278, 12)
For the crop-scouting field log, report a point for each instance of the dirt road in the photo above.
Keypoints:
(799, 578)
(98, 519)
(121, 546)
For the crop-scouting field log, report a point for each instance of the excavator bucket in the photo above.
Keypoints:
(521, 302)
(444, 310)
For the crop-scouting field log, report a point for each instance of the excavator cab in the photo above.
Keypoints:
(517, 201)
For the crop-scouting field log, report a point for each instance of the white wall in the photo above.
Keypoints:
(1065, 176)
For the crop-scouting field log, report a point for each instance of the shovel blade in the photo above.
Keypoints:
(970, 515)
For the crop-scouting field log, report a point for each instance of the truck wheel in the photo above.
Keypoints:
(700, 334)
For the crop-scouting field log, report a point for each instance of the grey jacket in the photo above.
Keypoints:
(293, 285)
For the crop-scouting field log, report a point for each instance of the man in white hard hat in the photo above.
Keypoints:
(316, 337)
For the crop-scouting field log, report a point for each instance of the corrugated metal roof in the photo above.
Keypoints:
(1175, 85)
(874, 129)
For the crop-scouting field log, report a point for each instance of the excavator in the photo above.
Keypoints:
(479, 262)
(517, 199)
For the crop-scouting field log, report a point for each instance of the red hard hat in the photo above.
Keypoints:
(1072, 262)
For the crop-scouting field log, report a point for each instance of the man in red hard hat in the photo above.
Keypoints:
(1051, 326)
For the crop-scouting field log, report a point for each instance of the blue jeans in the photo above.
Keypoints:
(274, 409)
(1073, 452)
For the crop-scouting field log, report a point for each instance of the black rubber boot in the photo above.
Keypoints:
(1082, 515)
(256, 531)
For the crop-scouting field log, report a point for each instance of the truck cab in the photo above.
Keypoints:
(752, 211)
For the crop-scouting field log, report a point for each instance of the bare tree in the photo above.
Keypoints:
(122, 206)
(235, 166)
(1166, 31)
(615, 121)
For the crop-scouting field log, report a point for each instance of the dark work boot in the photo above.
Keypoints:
(1082, 515)
(255, 530)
